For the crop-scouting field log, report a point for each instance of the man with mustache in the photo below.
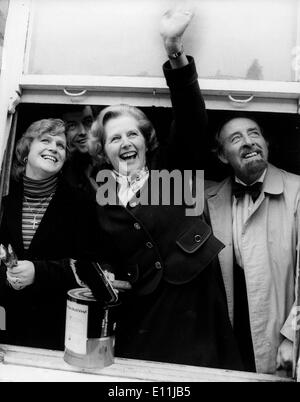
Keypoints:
(255, 214)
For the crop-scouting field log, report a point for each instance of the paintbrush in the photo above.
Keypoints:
(8, 256)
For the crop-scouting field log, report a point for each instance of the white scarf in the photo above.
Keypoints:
(130, 185)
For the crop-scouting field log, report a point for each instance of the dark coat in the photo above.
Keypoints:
(176, 311)
(36, 314)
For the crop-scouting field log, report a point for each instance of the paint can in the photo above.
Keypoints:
(90, 330)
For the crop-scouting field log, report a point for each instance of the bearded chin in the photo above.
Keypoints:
(254, 169)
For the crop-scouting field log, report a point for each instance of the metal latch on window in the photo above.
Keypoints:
(69, 93)
(241, 101)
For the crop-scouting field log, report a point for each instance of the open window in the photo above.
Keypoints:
(103, 52)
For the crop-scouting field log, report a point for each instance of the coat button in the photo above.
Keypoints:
(158, 265)
(149, 244)
(137, 226)
(197, 238)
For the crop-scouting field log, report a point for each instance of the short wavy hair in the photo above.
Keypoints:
(35, 130)
(111, 112)
(217, 147)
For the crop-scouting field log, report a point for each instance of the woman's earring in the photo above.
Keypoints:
(25, 159)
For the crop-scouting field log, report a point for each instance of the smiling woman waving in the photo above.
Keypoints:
(176, 309)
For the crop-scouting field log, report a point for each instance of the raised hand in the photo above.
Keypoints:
(173, 25)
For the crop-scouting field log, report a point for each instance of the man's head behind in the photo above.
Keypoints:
(78, 121)
(241, 144)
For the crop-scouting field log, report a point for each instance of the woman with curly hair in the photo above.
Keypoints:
(45, 221)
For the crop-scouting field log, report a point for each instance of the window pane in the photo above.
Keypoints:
(231, 39)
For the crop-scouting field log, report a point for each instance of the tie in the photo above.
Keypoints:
(239, 190)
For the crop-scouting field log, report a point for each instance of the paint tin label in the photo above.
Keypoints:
(76, 327)
(90, 328)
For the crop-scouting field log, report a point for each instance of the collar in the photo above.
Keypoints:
(140, 175)
(272, 180)
(39, 188)
(273, 183)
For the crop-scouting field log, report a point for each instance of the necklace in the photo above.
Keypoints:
(34, 221)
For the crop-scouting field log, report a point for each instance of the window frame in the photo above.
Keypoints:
(249, 95)
(18, 87)
(37, 362)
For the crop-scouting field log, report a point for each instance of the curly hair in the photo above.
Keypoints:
(111, 112)
(35, 130)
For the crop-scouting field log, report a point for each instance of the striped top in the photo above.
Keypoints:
(32, 214)
(36, 199)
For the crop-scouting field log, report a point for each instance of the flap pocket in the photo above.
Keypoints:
(191, 240)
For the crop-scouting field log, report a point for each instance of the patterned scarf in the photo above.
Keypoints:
(130, 185)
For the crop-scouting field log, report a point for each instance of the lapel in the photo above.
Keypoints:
(14, 216)
(220, 211)
(273, 184)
